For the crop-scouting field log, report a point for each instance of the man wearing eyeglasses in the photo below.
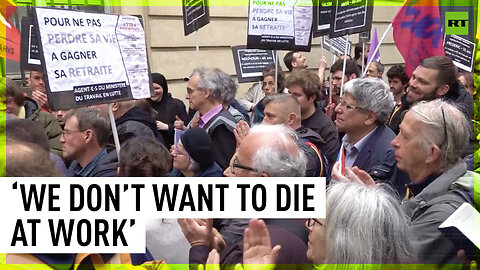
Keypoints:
(362, 114)
(84, 139)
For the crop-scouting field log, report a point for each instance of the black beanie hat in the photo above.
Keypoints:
(198, 145)
(160, 80)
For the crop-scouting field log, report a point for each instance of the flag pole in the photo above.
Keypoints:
(114, 130)
(363, 55)
(197, 49)
(377, 48)
(344, 66)
(276, 71)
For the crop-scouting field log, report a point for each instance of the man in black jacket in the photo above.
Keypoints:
(284, 109)
(435, 78)
(305, 86)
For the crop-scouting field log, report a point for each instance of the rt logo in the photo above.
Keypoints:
(456, 23)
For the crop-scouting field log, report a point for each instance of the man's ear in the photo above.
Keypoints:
(352, 76)
(291, 119)
(115, 106)
(89, 135)
(443, 90)
(380, 74)
(207, 93)
(434, 154)
(372, 117)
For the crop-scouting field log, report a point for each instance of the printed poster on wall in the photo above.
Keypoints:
(460, 50)
(280, 25)
(92, 58)
(249, 63)
(196, 14)
(350, 17)
(322, 12)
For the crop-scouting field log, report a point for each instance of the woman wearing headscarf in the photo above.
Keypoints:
(167, 108)
(193, 156)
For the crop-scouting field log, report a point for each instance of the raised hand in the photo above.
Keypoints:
(257, 246)
(40, 98)
(241, 131)
(196, 231)
(179, 124)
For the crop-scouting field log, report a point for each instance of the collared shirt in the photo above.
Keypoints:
(209, 115)
(87, 170)
(351, 151)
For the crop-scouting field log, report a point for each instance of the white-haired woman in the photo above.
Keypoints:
(364, 225)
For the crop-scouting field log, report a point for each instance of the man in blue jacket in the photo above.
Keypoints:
(362, 114)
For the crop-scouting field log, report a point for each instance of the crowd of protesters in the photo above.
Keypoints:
(397, 157)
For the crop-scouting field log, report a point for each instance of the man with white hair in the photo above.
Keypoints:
(269, 150)
(207, 91)
(362, 114)
(428, 147)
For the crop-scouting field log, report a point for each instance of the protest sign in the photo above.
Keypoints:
(196, 14)
(91, 58)
(249, 63)
(350, 17)
(337, 45)
(461, 51)
(30, 56)
(322, 11)
(280, 25)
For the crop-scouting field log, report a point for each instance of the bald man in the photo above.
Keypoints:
(284, 109)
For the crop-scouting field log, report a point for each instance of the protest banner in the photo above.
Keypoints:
(413, 40)
(461, 51)
(249, 63)
(91, 58)
(338, 45)
(30, 56)
(350, 17)
(322, 11)
(280, 25)
(196, 14)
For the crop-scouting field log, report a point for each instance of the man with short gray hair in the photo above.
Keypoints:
(428, 147)
(375, 70)
(362, 114)
(84, 138)
(206, 93)
(131, 121)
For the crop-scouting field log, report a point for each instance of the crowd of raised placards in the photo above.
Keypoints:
(397, 158)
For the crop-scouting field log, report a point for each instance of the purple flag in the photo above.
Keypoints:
(373, 46)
